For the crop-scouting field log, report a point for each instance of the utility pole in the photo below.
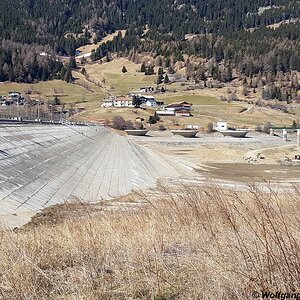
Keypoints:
(26, 110)
(38, 108)
(18, 114)
(51, 112)
(10, 112)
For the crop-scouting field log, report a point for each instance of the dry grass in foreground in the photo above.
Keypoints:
(185, 243)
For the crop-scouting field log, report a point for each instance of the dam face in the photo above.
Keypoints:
(42, 165)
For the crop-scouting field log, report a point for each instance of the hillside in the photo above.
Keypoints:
(236, 34)
(49, 22)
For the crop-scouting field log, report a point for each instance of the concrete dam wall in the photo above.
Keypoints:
(42, 165)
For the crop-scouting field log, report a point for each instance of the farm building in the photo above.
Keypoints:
(183, 113)
(179, 106)
(165, 112)
(179, 109)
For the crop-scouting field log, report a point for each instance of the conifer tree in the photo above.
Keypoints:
(166, 79)
(143, 68)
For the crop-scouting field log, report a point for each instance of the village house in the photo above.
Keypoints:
(12, 98)
(123, 102)
(179, 106)
(180, 109)
(148, 100)
(151, 103)
(14, 94)
(118, 102)
(108, 102)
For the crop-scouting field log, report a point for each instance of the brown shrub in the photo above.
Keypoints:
(119, 123)
(209, 127)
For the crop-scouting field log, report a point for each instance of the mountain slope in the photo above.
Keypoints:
(46, 22)
(223, 29)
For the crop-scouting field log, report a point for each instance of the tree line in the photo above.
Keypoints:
(65, 24)
(230, 34)
(31, 63)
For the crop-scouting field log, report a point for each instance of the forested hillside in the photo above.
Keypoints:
(229, 31)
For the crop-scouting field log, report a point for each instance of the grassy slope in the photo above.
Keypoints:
(207, 106)
(118, 83)
(100, 114)
(49, 89)
(107, 79)
(114, 82)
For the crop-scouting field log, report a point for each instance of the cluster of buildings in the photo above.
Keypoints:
(12, 98)
(174, 109)
(143, 99)
(129, 101)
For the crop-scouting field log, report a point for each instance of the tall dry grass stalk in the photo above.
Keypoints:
(184, 242)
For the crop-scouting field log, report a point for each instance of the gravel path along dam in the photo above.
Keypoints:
(42, 165)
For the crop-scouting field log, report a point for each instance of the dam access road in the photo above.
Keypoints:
(42, 165)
